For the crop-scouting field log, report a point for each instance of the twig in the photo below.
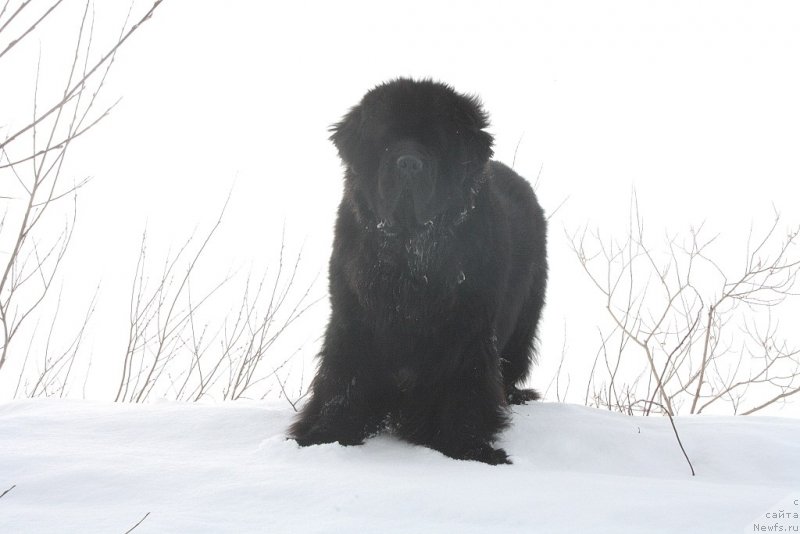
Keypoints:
(677, 435)
(514, 160)
(704, 362)
(680, 444)
(137, 524)
(283, 390)
(6, 491)
(16, 41)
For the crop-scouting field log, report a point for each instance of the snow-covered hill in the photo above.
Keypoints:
(89, 467)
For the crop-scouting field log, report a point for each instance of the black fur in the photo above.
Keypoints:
(437, 279)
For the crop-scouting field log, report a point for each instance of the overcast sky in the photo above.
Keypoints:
(693, 104)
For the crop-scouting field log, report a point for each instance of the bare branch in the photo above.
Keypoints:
(31, 261)
(75, 90)
(137, 524)
(30, 29)
(690, 362)
(7, 491)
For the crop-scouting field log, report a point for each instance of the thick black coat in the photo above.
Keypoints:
(437, 279)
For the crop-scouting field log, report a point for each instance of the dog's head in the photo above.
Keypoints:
(414, 150)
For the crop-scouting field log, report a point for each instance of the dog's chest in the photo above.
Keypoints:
(413, 257)
(411, 279)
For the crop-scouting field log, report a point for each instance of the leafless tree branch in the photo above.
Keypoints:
(684, 325)
(137, 524)
(32, 260)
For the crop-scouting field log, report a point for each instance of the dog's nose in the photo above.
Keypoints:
(409, 164)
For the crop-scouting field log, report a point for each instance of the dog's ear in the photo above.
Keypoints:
(482, 142)
(346, 133)
(473, 120)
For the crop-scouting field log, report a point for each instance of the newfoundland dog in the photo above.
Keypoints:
(437, 279)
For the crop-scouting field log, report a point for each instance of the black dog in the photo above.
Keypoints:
(437, 279)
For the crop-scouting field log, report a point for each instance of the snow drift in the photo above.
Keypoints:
(91, 467)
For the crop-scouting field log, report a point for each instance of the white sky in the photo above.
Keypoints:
(692, 103)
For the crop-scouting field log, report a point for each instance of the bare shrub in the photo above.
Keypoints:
(174, 353)
(32, 158)
(170, 350)
(687, 334)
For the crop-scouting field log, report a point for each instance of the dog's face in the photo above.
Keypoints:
(413, 150)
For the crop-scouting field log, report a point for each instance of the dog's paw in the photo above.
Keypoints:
(521, 396)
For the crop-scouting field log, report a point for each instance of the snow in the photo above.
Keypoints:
(100, 467)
